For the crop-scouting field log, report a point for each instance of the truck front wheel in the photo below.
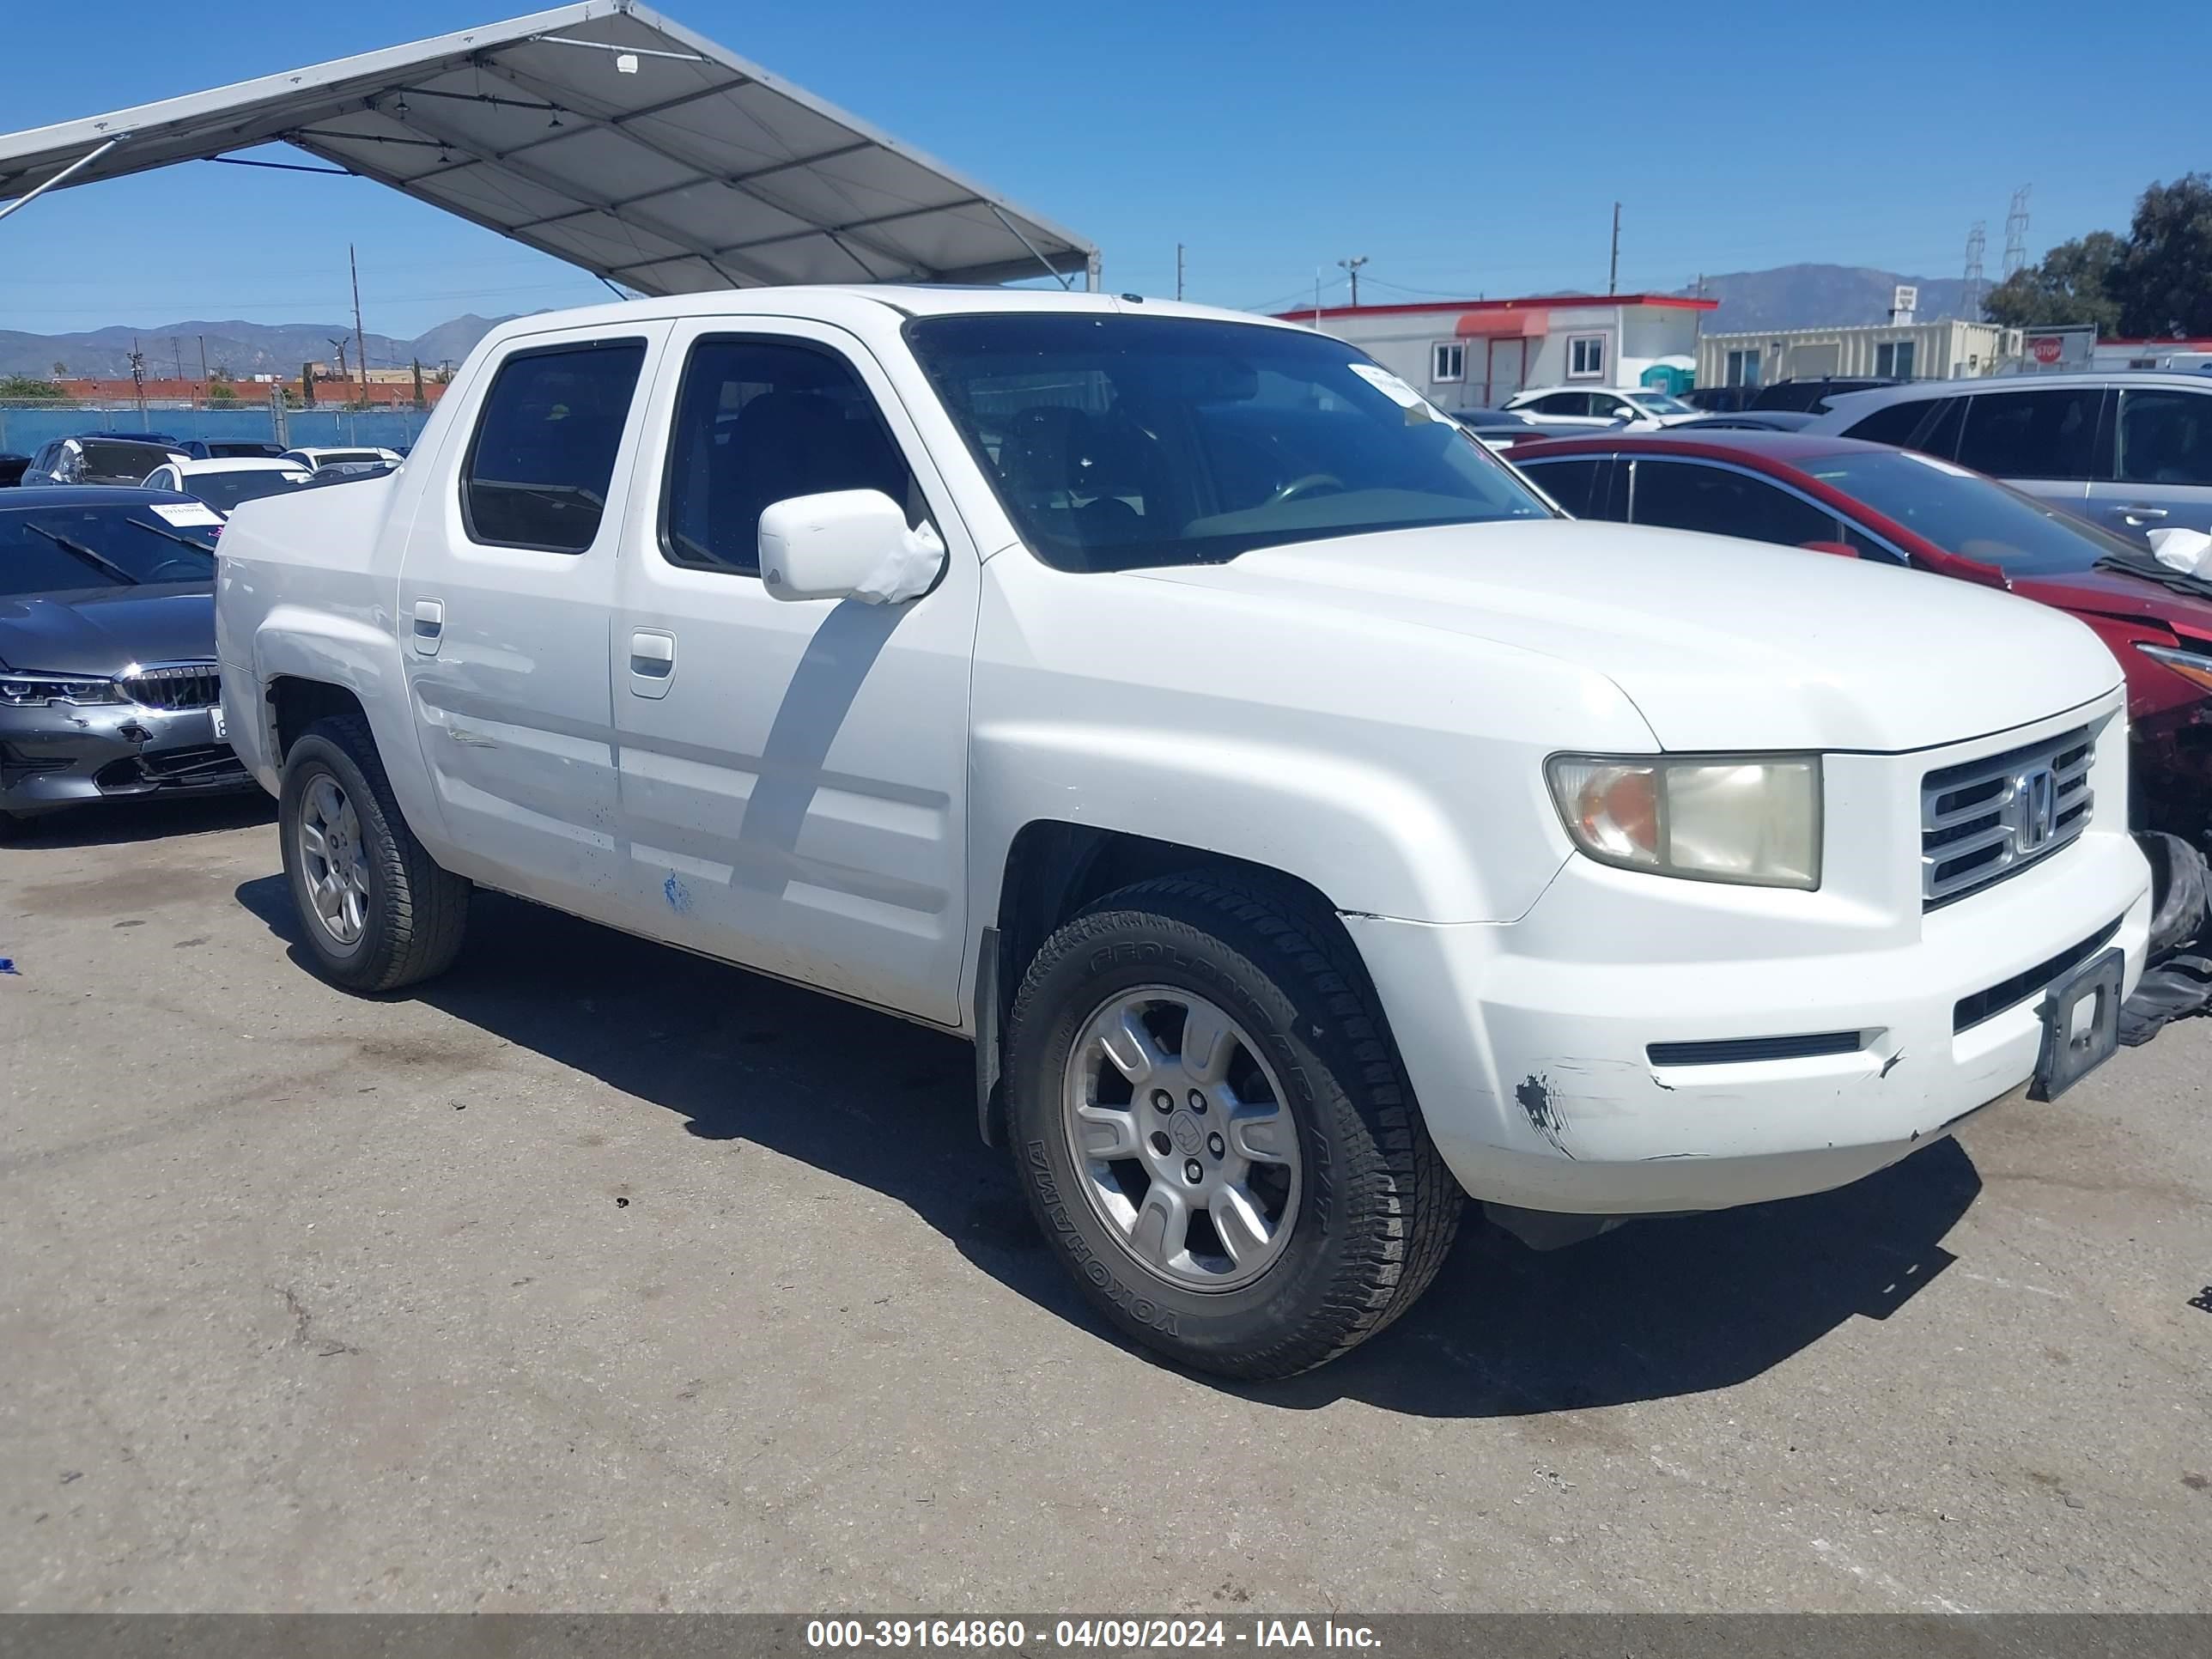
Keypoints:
(376, 910)
(1214, 1131)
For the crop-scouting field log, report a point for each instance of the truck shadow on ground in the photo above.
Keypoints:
(1652, 1311)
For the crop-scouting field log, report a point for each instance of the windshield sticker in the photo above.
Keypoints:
(185, 514)
(1416, 406)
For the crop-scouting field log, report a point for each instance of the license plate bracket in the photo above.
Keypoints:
(2081, 1024)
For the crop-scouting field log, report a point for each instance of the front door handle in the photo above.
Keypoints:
(651, 661)
(429, 625)
(2137, 514)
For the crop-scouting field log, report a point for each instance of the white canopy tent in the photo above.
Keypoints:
(603, 135)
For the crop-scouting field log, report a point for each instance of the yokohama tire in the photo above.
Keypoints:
(1374, 1210)
(410, 913)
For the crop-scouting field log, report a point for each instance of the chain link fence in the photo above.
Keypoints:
(26, 424)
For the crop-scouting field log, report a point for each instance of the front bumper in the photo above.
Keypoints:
(59, 755)
(1530, 1051)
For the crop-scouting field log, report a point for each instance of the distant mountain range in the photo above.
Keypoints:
(1820, 296)
(1786, 297)
(243, 348)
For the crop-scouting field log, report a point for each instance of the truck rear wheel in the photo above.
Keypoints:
(376, 911)
(1214, 1130)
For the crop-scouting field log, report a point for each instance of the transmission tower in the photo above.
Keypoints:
(2015, 258)
(1977, 239)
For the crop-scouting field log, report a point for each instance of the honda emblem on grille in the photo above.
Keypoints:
(2034, 808)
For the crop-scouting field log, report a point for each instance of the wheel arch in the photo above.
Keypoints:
(1053, 870)
(311, 665)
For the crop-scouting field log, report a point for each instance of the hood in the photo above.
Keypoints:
(102, 631)
(1720, 644)
(2112, 593)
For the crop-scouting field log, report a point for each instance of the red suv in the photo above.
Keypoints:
(1893, 506)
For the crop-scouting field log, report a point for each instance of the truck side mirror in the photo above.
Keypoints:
(847, 544)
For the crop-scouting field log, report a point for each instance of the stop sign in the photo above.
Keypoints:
(2047, 349)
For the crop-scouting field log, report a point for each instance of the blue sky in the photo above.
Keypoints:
(1464, 149)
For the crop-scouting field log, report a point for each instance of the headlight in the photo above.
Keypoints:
(2192, 665)
(1756, 822)
(23, 688)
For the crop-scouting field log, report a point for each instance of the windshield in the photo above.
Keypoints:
(1658, 403)
(1966, 513)
(225, 490)
(1116, 441)
(52, 550)
(117, 463)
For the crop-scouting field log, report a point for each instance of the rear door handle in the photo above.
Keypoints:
(651, 661)
(429, 625)
(2134, 514)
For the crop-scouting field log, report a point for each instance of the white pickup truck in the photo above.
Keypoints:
(1304, 819)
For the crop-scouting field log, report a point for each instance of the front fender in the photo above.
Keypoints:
(1374, 839)
(1395, 768)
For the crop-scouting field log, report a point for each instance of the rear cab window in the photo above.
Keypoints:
(543, 455)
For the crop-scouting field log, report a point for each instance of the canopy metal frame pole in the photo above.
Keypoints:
(63, 177)
(1049, 269)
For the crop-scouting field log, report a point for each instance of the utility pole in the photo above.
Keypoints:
(360, 341)
(1352, 265)
(138, 377)
(1612, 271)
(1178, 270)
(340, 343)
(203, 373)
(178, 353)
(1977, 239)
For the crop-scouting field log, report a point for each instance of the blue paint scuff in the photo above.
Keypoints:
(678, 895)
(7, 966)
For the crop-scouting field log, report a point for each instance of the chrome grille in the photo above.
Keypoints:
(1983, 820)
(174, 685)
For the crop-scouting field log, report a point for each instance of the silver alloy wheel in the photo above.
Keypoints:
(1183, 1137)
(331, 861)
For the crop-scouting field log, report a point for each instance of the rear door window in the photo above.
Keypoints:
(1572, 483)
(544, 453)
(1561, 403)
(1721, 502)
(2165, 437)
(1895, 424)
(2032, 434)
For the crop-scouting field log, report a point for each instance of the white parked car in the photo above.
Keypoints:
(1629, 409)
(1304, 822)
(223, 483)
(315, 459)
